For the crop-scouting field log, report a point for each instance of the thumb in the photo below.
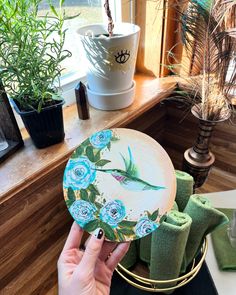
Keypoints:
(92, 251)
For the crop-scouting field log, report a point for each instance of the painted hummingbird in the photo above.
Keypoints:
(128, 178)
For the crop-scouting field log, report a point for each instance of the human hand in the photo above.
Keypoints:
(88, 272)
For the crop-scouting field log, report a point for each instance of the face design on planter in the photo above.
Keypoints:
(121, 58)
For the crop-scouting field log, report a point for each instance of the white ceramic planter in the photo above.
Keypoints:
(111, 64)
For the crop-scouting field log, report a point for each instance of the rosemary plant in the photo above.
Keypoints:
(31, 51)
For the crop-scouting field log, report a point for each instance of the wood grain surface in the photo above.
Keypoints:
(34, 221)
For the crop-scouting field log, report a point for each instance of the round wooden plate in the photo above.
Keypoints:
(121, 180)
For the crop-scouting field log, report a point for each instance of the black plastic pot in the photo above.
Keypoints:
(45, 128)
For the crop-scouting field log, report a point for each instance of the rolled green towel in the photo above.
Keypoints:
(168, 246)
(224, 252)
(205, 219)
(145, 248)
(184, 188)
(131, 256)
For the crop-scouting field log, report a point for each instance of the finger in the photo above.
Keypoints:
(117, 255)
(92, 251)
(107, 248)
(74, 237)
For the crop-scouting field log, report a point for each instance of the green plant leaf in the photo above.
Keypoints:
(71, 194)
(93, 188)
(89, 153)
(120, 235)
(102, 162)
(126, 231)
(53, 10)
(84, 195)
(163, 218)
(127, 223)
(109, 232)
(154, 215)
(92, 197)
(61, 2)
(92, 225)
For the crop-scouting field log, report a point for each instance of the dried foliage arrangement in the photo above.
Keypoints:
(210, 47)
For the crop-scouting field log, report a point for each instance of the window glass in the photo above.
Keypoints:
(91, 11)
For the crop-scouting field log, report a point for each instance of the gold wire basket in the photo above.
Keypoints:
(151, 285)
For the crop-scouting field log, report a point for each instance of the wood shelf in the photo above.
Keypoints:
(31, 164)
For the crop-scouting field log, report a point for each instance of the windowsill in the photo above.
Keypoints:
(30, 164)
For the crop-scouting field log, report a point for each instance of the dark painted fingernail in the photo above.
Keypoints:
(98, 233)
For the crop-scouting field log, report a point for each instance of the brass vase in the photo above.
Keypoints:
(199, 159)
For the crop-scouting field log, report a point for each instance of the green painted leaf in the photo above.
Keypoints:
(109, 232)
(89, 153)
(120, 235)
(92, 197)
(78, 152)
(69, 203)
(102, 162)
(149, 214)
(85, 143)
(154, 215)
(84, 195)
(93, 188)
(71, 194)
(127, 223)
(92, 225)
(97, 156)
(126, 231)
(114, 138)
(98, 205)
(163, 218)
(109, 146)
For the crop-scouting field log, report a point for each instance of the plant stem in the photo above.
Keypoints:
(110, 26)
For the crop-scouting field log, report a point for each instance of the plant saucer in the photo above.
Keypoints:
(121, 180)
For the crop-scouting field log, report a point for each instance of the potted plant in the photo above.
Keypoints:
(31, 50)
(210, 47)
(111, 57)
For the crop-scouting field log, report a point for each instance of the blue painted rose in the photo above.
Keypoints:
(113, 212)
(100, 139)
(79, 173)
(144, 227)
(82, 212)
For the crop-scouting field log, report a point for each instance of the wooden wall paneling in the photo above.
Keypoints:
(149, 16)
(185, 127)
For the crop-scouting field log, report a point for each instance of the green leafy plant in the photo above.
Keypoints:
(31, 52)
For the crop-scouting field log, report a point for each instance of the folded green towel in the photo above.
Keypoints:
(168, 246)
(205, 219)
(224, 252)
(184, 188)
(131, 256)
(145, 243)
(145, 248)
